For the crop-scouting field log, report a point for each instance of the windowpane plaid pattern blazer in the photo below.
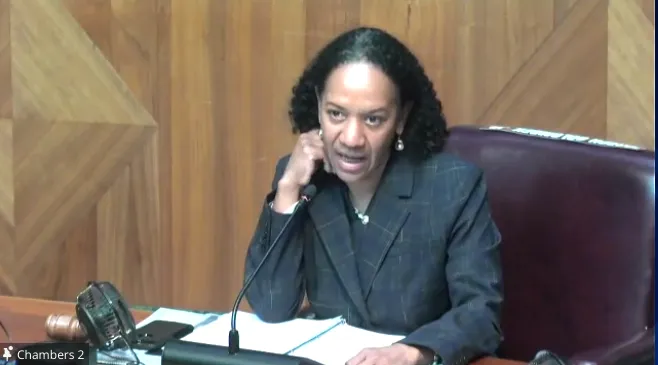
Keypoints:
(433, 268)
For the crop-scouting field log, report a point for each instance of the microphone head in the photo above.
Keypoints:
(309, 192)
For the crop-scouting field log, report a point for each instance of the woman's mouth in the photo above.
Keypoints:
(351, 163)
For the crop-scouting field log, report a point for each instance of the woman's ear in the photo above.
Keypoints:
(402, 121)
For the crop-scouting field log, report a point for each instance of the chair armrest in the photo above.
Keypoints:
(637, 350)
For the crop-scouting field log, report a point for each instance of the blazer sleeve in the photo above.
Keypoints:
(276, 292)
(471, 328)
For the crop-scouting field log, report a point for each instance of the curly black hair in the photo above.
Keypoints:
(426, 127)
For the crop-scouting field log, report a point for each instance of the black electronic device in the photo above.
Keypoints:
(178, 352)
(152, 336)
(105, 323)
(105, 316)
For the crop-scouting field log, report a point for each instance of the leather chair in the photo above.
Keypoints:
(577, 221)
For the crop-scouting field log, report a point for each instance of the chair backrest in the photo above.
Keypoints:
(577, 222)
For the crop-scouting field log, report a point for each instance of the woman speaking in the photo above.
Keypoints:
(399, 238)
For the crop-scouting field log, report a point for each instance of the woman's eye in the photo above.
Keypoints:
(335, 114)
(374, 120)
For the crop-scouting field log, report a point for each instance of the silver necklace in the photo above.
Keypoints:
(363, 217)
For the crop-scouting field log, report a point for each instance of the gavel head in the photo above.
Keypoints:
(62, 327)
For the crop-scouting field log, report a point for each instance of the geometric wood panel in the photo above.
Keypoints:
(630, 81)
(69, 125)
(132, 219)
(562, 86)
(166, 213)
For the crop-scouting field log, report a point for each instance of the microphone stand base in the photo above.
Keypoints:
(177, 352)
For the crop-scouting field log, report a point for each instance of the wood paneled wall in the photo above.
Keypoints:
(138, 137)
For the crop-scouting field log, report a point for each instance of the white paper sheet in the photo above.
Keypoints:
(340, 344)
(255, 334)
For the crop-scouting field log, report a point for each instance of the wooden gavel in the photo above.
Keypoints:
(64, 327)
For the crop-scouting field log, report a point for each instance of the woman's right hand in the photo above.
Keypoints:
(304, 161)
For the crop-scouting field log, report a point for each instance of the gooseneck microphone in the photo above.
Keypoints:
(234, 337)
(178, 352)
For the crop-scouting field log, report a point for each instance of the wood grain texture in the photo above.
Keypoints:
(5, 60)
(630, 72)
(543, 93)
(73, 127)
(169, 213)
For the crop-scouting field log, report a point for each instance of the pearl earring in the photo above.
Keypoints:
(399, 145)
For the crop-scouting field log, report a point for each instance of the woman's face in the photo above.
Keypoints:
(360, 117)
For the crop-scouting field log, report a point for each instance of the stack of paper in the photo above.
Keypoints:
(329, 341)
(278, 338)
(340, 344)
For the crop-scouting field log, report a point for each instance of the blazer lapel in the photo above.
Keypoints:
(387, 213)
(329, 217)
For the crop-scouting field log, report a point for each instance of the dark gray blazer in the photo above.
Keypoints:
(434, 268)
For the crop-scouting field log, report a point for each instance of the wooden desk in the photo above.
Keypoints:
(25, 320)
